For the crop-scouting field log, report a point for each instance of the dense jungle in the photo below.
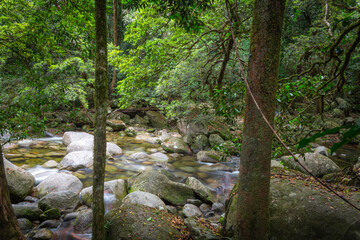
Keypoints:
(188, 119)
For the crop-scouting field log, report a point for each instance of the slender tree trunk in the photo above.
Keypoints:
(117, 11)
(254, 173)
(9, 228)
(101, 86)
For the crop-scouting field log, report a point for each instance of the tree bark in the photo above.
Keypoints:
(9, 227)
(117, 5)
(101, 88)
(254, 173)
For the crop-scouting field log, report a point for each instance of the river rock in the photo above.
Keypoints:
(83, 221)
(200, 143)
(50, 223)
(120, 116)
(87, 144)
(318, 164)
(43, 234)
(299, 211)
(63, 201)
(29, 211)
(199, 231)
(157, 120)
(159, 157)
(20, 181)
(208, 156)
(143, 198)
(117, 187)
(115, 124)
(52, 213)
(157, 183)
(322, 150)
(50, 164)
(76, 160)
(215, 140)
(70, 137)
(333, 123)
(190, 210)
(200, 189)
(175, 145)
(130, 132)
(140, 222)
(139, 156)
(216, 167)
(25, 225)
(57, 183)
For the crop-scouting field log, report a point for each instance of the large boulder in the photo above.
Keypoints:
(194, 128)
(215, 140)
(117, 125)
(141, 222)
(20, 181)
(175, 145)
(318, 164)
(143, 198)
(116, 187)
(157, 183)
(76, 160)
(200, 189)
(63, 201)
(190, 210)
(58, 182)
(120, 116)
(70, 137)
(157, 120)
(87, 144)
(299, 211)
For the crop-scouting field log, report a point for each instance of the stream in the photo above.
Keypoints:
(32, 154)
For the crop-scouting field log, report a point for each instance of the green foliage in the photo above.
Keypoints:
(346, 136)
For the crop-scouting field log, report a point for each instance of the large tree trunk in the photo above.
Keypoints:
(254, 173)
(98, 231)
(9, 228)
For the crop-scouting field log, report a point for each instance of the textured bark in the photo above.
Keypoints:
(98, 231)
(254, 173)
(9, 228)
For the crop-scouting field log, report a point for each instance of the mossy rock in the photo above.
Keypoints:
(300, 210)
(53, 213)
(142, 222)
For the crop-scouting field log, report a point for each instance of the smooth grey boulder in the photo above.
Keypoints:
(83, 220)
(76, 160)
(190, 210)
(25, 225)
(139, 155)
(58, 182)
(318, 164)
(117, 187)
(20, 181)
(300, 211)
(159, 157)
(157, 183)
(322, 150)
(200, 189)
(63, 201)
(87, 144)
(70, 137)
(175, 145)
(143, 198)
(50, 164)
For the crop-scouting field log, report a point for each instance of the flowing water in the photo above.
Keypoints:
(31, 155)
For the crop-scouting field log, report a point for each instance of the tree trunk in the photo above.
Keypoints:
(9, 228)
(254, 173)
(101, 88)
(117, 37)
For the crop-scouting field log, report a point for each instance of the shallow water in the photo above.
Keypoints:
(32, 156)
